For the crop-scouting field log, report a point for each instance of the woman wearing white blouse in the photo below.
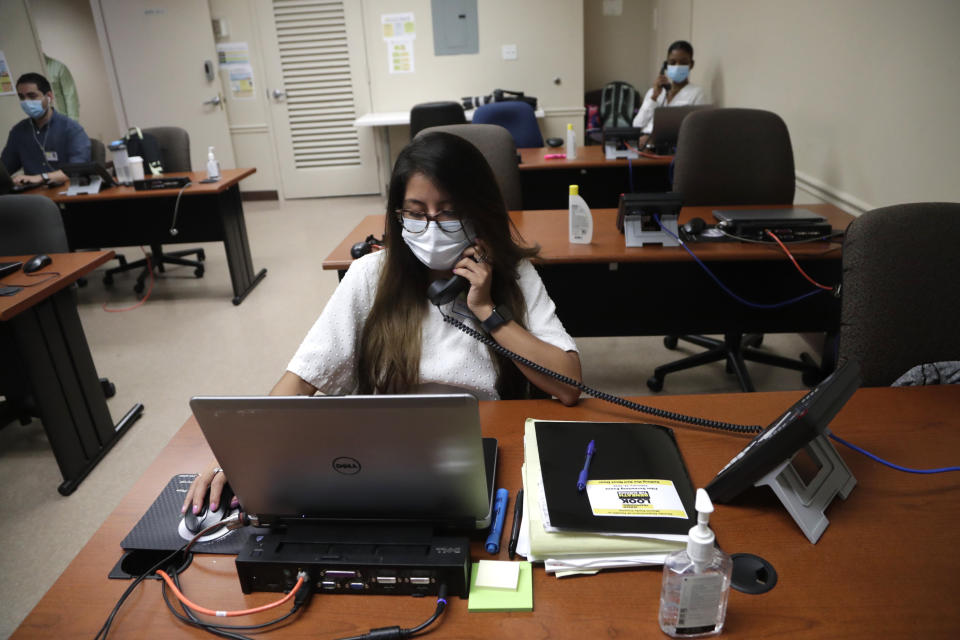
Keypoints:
(672, 87)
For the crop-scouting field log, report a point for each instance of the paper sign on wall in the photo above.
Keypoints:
(399, 32)
(234, 57)
(6, 78)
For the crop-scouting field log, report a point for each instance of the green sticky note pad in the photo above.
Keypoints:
(487, 599)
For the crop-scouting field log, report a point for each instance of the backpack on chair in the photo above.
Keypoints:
(145, 146)
(617, 101)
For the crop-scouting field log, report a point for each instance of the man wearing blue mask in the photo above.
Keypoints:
(46, 140)
(672, 87)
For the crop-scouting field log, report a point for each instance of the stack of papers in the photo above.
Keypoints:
(624, 518)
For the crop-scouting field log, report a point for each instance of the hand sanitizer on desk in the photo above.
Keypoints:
(581, 220)
(696, 582)
(213, 167)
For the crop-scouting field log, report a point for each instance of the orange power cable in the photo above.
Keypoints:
(228, 614)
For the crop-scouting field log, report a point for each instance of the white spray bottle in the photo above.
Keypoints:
(580, 218)
(213, 167)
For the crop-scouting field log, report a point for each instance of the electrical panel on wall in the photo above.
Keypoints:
(455, 29)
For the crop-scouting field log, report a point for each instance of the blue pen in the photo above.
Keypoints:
(499, 511)
(585, 472)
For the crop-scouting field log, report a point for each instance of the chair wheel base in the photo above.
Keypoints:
(655, 383)
(670, 342)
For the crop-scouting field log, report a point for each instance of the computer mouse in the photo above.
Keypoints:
(554, 142)
(197, 522)
(36, 263)
(360, 249)
(695, 226)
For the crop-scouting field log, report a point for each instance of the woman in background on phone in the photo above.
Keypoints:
(379, 333)
(672, 87)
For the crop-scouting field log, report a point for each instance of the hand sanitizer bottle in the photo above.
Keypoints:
(696, 582)
(581, 220)
(571, 142)
(213, 167)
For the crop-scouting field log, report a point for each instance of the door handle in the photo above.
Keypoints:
(277, 94)
(215, 101)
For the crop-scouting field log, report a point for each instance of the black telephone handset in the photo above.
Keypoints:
(443, 291)
(663, 69)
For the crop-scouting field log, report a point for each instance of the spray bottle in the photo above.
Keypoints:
(581, 220)
(696, 582)
(213, 167)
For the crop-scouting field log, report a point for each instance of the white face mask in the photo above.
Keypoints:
(436, 248)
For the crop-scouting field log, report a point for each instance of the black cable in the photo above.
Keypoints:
(53, 276)
(396, 632)
(601, 395)
(105, 629)
(300, 599)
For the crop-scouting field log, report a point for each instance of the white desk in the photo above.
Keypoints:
(393, 118)
(385, 119)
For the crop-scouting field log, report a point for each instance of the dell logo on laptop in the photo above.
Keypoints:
(346, 466)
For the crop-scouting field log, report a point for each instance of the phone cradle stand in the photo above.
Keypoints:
(90, 185)
(806, 503)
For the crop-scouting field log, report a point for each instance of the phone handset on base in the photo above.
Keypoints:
(443, 291)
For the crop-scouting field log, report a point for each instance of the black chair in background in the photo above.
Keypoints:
(98, 153)
(498, 147)
(900, 297)
(433, 114)
(174, 144)
(730, 157)
(28, 225)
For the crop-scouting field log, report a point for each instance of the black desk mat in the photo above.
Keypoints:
(157, 529)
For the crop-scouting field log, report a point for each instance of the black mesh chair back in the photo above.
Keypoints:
(498, 147)
(432, 114)
(98, 152)
(174, 145)
(734, 157)
(31, 224)
(900, 297)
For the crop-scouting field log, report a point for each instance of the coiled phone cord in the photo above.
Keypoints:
(600, 395)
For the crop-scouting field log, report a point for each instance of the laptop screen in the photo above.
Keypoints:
(410, 458)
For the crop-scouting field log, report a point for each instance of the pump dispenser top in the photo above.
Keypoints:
(701, 537)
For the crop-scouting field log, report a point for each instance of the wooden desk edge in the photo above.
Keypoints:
(48, 289)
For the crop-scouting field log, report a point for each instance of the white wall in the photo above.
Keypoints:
(19, 45)
(549, 39)
(67, 33)
(616, 47)
(867, 88)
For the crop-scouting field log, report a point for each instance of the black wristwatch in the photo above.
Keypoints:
(45, 177)
(500, 316)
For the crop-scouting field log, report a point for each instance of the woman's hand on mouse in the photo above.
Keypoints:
(211, 478)
(475, 266)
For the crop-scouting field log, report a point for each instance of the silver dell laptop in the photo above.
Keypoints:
(403, 458)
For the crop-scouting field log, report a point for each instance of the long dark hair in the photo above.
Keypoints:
(390, 342)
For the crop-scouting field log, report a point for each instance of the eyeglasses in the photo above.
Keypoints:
(418, 221)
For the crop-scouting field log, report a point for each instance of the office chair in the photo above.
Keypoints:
(433, 114)
(98, 153)
(497, 146)
(174, 144)
(515, 116)
(28, 225)
(733, 157)
(900, 297)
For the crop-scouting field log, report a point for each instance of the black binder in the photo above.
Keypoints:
(624, 450)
